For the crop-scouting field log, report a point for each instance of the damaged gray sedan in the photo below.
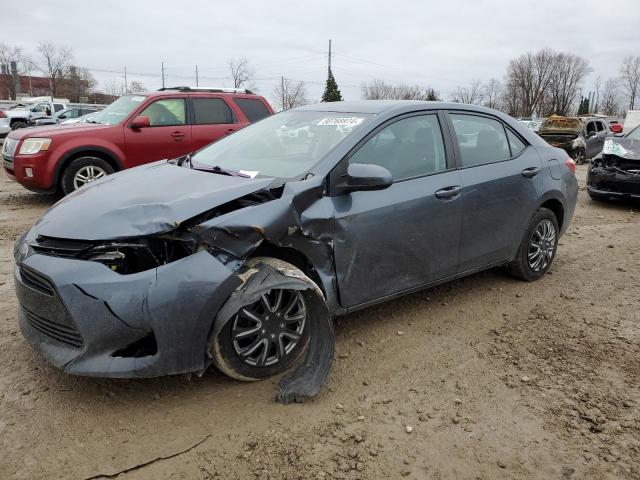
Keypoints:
(240, 254)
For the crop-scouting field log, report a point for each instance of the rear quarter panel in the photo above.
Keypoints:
(559, 182)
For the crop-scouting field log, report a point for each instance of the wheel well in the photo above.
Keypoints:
(87, 153)
(556, 207)
(291, 256)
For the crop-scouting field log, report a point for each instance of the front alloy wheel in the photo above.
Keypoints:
(579, 156)
(87, 174)
(83, 171)
(267, 331)
(270, 333)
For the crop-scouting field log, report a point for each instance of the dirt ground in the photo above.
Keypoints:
(483, 378)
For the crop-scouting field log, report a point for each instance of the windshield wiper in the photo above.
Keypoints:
(220, 171)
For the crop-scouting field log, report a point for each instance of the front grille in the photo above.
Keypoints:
(36, 281)
(8, 151)
(66, 334)
(59, 247)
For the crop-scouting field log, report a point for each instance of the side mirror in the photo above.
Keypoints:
(141, 121)
(362, 177)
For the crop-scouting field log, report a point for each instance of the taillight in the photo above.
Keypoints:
(2, 115)
(571, 164)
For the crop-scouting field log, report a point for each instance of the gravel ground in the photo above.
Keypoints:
(482, 378)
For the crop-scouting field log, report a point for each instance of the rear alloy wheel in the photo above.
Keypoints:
(542, 246)
(268, 336)
(538, 247)
(83, 171)
(579, 156)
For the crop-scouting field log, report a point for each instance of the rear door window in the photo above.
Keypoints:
(600, 126)
(210, 111)
(481, 140)
(252, 108)
(515, 143)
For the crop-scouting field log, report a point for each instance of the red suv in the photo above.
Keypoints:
(135, 129)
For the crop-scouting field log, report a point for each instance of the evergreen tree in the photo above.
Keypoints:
(432, 95)
(583, 109)
(331, 91)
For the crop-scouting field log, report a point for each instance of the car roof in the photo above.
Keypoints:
(388, 106)
(172, 92)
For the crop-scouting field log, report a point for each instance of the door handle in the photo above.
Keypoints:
(530, 172)
(448, 192)
(231, 130)
(177, 135)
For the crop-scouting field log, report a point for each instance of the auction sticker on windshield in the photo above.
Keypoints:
(341, 121)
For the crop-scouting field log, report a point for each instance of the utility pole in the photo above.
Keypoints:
(197, 76)
(162, 74)
(126, 85)
(329, 66)
(283, 94)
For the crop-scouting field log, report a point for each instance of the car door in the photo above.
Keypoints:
(168, 136)
(212, 119)
(591, 138)
(501, 182)
(602, 133)
(407, 235)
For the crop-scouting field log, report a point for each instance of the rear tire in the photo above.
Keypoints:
(538, 247)
(17, 125)
(82, 171)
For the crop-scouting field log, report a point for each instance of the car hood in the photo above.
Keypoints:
(16, 112)
(627, 148)
(58, 129)
(146, 200)
(557, 124)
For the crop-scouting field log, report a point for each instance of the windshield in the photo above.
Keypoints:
(118, 110)
(285, 145)
(635, 133)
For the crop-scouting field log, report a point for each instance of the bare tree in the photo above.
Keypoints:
(290, 94)
(492, 93)
(241, 72)
(471, 94)
(610, 104)
(112, 87)
(567, 75)
(9, 54)
(527, 78)
(55, 64)
(630, 78)
(380, 90)
(597, 85)
(136, 86)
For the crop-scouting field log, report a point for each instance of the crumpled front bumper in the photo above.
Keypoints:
(611, 183)
(78, 313)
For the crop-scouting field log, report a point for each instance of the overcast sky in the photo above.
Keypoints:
(442, 44)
